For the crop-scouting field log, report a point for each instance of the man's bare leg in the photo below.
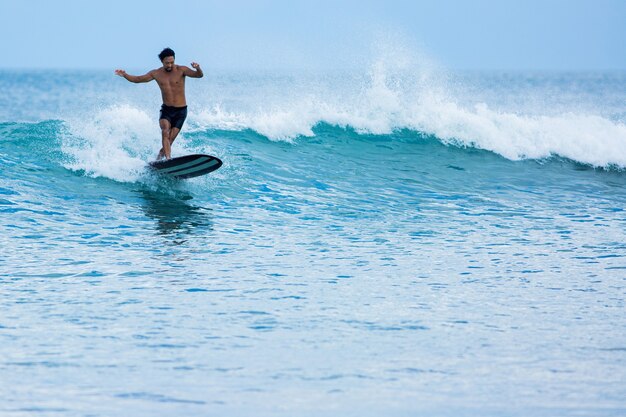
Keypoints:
(168, 135)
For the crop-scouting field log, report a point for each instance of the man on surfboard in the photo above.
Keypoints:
(171, 81)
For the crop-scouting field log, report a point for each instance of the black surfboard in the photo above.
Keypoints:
(187, 166)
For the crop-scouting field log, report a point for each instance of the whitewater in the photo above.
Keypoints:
(400, 240)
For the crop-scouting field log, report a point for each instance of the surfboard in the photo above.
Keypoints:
(187, 166)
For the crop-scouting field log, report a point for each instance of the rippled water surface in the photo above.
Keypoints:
(344, 271)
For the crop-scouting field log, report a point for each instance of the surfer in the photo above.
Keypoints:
(171, 81)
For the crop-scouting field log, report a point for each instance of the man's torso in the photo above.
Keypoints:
(172, 85)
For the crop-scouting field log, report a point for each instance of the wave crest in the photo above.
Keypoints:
(114, 143)
(388, 101)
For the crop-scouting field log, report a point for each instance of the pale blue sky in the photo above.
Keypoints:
(470, 34)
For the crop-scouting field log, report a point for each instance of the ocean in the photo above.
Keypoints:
(396, 241)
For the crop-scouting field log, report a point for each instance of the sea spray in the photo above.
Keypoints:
(114, 143)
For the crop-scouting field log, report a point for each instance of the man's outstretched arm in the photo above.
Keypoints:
(193, 74)
(135, 78)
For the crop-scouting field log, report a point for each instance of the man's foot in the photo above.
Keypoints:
(161, 155)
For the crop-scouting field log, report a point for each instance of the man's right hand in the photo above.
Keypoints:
(120, 72)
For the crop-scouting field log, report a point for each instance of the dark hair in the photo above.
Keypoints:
(165, 53)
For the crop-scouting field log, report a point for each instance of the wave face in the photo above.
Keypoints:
(517, 116)
(549, 118)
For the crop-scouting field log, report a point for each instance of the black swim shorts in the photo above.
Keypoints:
(175, 115)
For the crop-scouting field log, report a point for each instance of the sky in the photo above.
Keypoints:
(568, 35)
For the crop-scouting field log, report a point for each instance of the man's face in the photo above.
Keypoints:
(168, 63)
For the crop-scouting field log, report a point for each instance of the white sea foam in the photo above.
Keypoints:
(113, 143)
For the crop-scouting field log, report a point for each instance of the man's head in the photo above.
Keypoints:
(167, 59)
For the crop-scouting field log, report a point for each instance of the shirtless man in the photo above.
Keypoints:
(171, 80)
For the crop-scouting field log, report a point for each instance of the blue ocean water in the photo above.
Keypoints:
(394, 242)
